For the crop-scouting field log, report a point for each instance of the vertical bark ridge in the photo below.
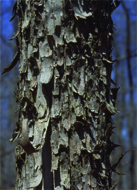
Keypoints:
(64, 84)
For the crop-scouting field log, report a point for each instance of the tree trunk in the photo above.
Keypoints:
(64, 95)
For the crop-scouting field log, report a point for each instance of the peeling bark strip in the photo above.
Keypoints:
(12, 63)
(64, 88)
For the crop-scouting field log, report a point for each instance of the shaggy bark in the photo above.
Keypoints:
(64, 94)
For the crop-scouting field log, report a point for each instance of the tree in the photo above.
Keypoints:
(65, 100)
(7, 98)
(126, 102)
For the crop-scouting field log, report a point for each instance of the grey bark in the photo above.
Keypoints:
(64, 95)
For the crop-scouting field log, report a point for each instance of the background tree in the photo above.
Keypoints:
(8, 107)
(125, 75)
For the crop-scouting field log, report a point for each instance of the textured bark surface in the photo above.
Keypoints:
(64, 95)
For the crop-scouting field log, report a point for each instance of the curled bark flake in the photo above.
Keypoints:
(33, 140)
(41, 102)
(111, 108)
(35, 180)
(46, 71)
(12, 63)
(12, 17)
(24, 137)
(33, 83)
(38, 3)
(39, 134)
(19, 26)
(112, 188)
(79, 13)
(106, 60)
(115, 165)
(16, 133)
(115, 4)
(108, 130)
(14, 11)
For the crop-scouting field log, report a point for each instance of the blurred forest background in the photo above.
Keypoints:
(124, 74)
